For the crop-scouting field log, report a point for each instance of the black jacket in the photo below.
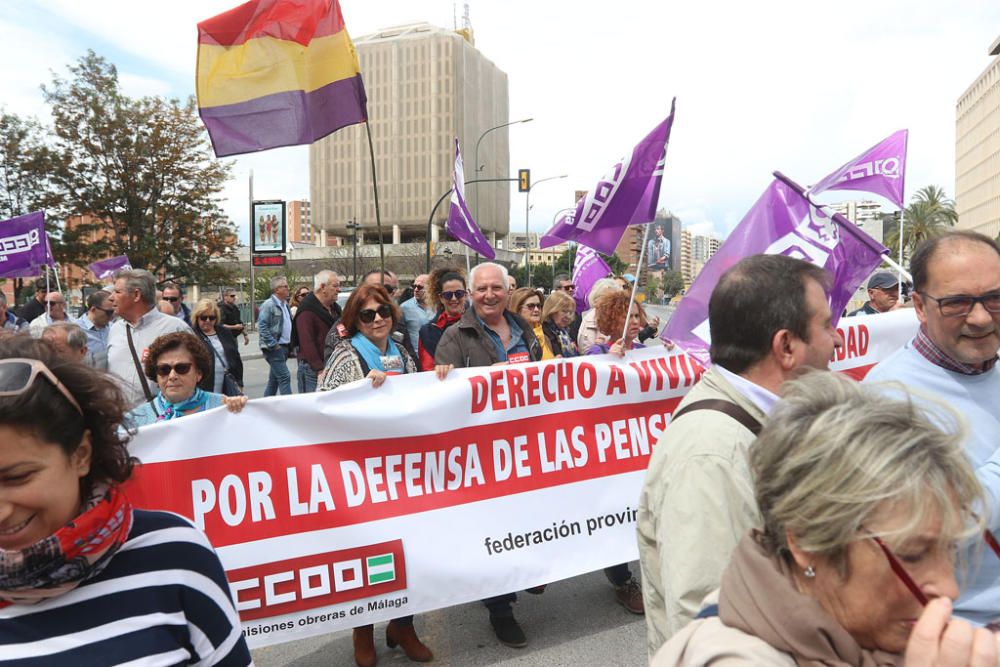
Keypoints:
(232, 356)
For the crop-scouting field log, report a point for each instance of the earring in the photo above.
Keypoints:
(809, 572)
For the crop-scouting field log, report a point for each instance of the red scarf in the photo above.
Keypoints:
(73, 554)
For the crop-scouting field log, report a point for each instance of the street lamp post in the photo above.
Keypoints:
(479, 141)
(527, 242)
(353, 226)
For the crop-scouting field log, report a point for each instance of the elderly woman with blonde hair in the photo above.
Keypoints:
(225, 375)
(863, 498)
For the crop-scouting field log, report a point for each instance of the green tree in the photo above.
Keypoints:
(144, 169)
(673, 283)
(929, 214)
(25, 165)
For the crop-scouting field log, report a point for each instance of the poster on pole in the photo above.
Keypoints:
(267, 227)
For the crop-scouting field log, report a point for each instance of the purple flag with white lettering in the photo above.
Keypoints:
(627, 195)
(880, 170)
(588, 268)
(460, 224)
(107, 268)
(782, 222)
(24, 246)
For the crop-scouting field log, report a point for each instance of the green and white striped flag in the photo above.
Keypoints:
(381, 568)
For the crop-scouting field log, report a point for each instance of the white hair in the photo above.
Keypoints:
(323, 277)
(599, 288)
(500, 267)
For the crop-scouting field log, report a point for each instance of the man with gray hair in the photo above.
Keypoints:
(956, 296)
(140, 323)
(69, 341)
(8, 320)
(697, 500)
(55, 304)
(274, 322)
(317, 312)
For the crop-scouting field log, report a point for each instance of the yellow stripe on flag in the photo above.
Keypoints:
(265, 65)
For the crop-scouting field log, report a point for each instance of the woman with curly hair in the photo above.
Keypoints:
(447, 291)
(85, 578)
(611, 308)
(177, 362)
(368, 351)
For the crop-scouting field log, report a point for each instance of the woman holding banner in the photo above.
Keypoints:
(611, 314)
(367, 351)
(85, 578)
(527, 303)
(557, 315)
(446, 288)
(863, 499)
(177, 362)
(588, 334)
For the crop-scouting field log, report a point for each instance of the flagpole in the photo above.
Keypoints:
(635, 285)
(902, 212)
(378, 214)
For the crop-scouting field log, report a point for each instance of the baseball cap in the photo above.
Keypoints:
(882, 280)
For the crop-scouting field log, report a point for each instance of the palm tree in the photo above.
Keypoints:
(930, 213)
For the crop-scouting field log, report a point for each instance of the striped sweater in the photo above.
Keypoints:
(162, 600)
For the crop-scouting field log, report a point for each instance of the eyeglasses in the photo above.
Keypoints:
(532, 306)
(962, 305)
(207, 318)
(302, 294)
(172, 299)
(368, 315)
(391, 289)
(900, 571)
(17, 374)
(182, 368)
(568, 288)
(418, 288)
(458, 294)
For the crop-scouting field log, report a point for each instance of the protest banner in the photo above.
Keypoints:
(24, 246)
(334, 510)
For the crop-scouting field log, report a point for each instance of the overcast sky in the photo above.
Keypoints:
(795, 86)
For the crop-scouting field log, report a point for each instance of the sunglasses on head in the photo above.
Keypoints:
(172, 299)
(182, 368)
(368, 315)
(457, 294)
(206, 318)
(18, 374)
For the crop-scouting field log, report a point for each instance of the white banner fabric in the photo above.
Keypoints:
(339, 509)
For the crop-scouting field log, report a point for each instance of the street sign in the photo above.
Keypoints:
(523, 180)
(268, 260)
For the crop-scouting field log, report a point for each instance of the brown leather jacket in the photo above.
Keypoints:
(466, 345)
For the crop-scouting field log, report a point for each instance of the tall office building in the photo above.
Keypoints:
(977, 151)
(426, 86)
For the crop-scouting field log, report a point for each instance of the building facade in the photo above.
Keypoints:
(977, 152)
(425, 86)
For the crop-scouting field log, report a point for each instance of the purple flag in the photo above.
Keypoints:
(880, 170)
(460, 224)
(107, 268)
(588, 268)
(627, 195)
(24, 246)
(782, 222)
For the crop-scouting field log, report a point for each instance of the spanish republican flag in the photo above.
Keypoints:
(277, 73)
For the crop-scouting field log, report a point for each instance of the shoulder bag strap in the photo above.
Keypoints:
(138, 366)
(727, 408)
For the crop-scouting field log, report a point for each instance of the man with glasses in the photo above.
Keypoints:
(95, 322)
(275, 325)
(953, 357)
(231, 317)
(9, 322)
(173, 295)
(139, 323)
(415, 311)
(564, 283)
(56, 305)
(883, 294)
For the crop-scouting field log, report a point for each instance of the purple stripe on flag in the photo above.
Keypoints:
(106, 268)
(460, 224)
(285, 119)
(880, 170)
(627, 195)
(24, 246)
(588, 268)
(782, 222)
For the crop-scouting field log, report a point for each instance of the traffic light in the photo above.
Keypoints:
(523, 180)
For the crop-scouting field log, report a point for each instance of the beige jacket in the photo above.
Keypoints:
(697, 503)
(709, 642)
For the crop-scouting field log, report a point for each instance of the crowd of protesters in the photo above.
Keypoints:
(788, 515)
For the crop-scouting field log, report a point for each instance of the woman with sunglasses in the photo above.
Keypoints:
(225, 374)
(85, 578)
(177, 362)
(445, 289)
(527, 303)
(557, 316)
(368, 351)
(297, 296)
(863, 498)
